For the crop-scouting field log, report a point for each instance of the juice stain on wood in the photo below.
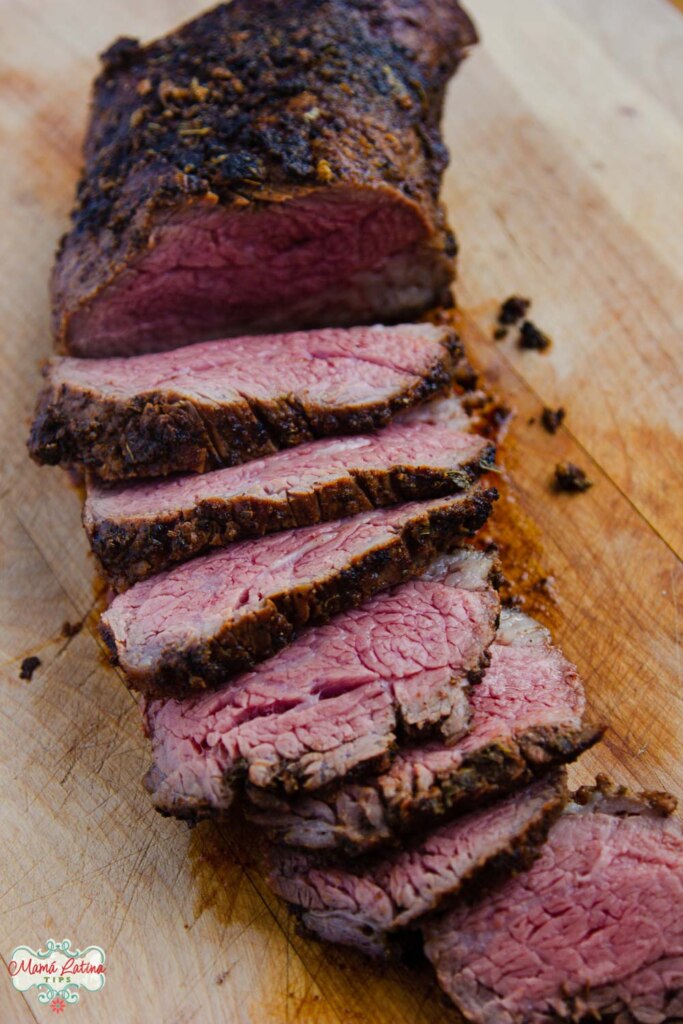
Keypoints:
(218, 867)
(528, 582)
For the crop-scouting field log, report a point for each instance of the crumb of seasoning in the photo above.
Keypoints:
(552, 419)
(569, 477)
(531, 420)
(500, 333)
(324, 171)
(28, 667)
(70, 629)
(663, 804)
(499, 416)
(531, 337)
(513, 309)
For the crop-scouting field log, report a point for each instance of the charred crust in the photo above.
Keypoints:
(121, 54)
(486, 775)
(613, 1001)
(240, 645)
(518, 855)
(157, 433)
(133, 549)
(524, 849)
(620, 799)
(252, 103)
(496, 770)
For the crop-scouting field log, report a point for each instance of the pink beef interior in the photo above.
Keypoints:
(360, 906)
(298, 469)
(197, 599)
(602, 906)
(331, 700)
(528, 684)
(334, 257)
(418, 877)
(345, 367)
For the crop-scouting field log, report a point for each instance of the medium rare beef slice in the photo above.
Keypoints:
(336, 699)
(527, 715)
(267, 166)
(367, 906)
(138, 529)
(193, 625)
(225, 402)
(594, 931)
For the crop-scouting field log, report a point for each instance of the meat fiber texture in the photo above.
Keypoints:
(266, 166)
(336, 699)
(526, 716)
(138, 529)
(193, 625)
(226, 402)
(369, 906)
(594, 931)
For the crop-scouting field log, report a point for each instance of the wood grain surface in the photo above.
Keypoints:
(565, 184)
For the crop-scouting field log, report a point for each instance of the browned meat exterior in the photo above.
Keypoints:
(336, 700)
(195, 624)
(367, 906)
(266, 166)
(527, 716)
(226, 402)
(136, 530)
(592, 932)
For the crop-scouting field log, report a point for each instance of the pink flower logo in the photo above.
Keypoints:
(58, 1005)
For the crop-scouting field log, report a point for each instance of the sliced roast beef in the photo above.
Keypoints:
(193, 625)
(267, 166)
(225, 402)
(526, 717)
(335, 700)
(594, 931)
(366, 906)
(139, 529)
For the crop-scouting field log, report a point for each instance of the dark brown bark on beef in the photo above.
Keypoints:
(250, 106)
(272, 619)
(370, 904)
(335, 702)
(606, 795)
(489, 773)
(158, 432)
(135, 547)
(592, 932)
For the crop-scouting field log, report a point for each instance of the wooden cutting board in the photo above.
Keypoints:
(566, 185)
